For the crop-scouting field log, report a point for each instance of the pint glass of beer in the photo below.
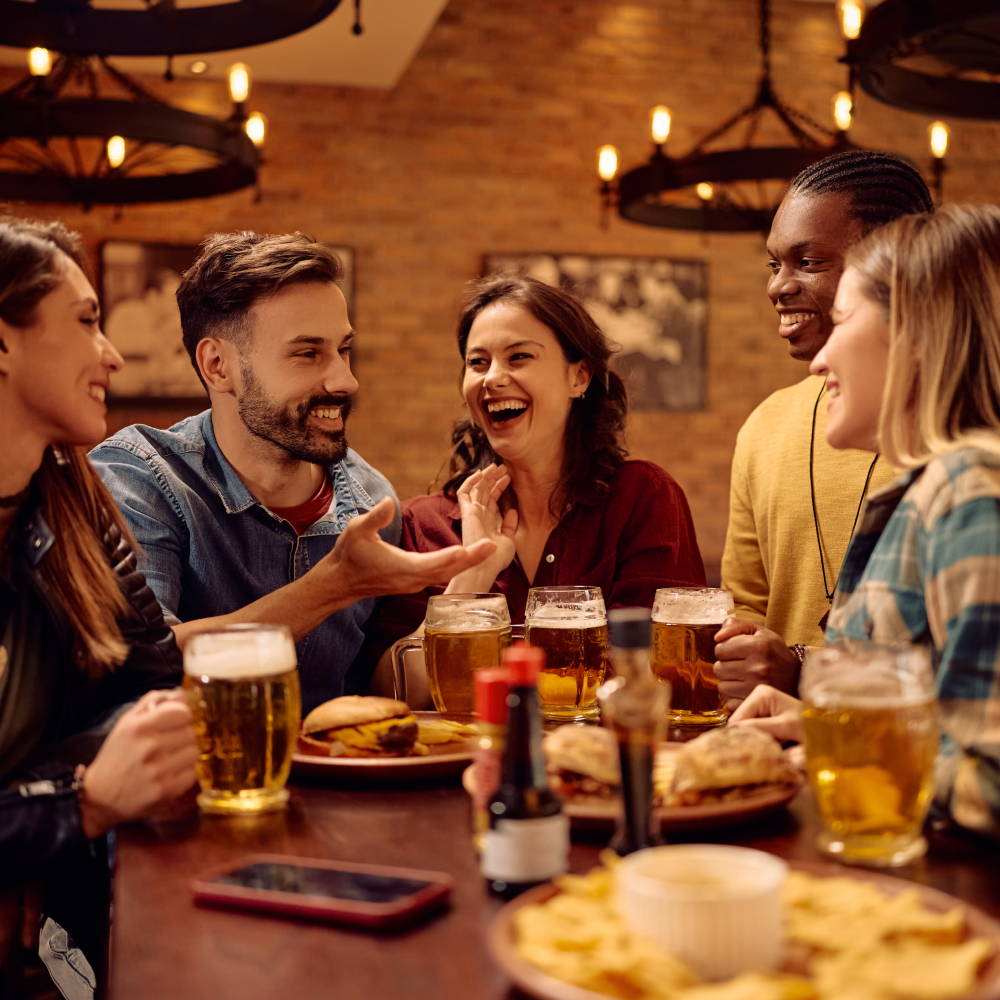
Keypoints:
(872, 736)
(571, 625)
(685, 620)
(462, 633)
(243, 688)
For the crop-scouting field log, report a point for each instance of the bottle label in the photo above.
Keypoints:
(527, 850)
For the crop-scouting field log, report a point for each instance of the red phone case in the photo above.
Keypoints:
(325, 908)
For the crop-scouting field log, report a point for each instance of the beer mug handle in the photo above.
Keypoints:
(398, 654)
(516, 633)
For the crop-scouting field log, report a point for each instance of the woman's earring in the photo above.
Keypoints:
(60, 458)
(582, 396)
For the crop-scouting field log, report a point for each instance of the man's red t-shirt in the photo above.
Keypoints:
(303, 515)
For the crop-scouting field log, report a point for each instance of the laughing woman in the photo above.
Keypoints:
(913, 371)
(81, 635)
(539, 466)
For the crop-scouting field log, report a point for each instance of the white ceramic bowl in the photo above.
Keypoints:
(719, 909)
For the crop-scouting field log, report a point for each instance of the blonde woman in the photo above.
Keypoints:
(913, 371)
(81, 635)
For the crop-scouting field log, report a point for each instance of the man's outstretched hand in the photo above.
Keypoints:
(747, 654)
(363, 565)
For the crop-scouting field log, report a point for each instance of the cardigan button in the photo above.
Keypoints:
(550, 558)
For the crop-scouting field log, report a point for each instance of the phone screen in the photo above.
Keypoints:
(329, 882)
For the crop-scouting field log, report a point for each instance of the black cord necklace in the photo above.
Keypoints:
(812, 495)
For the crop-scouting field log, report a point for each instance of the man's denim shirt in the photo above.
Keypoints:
(209, 547)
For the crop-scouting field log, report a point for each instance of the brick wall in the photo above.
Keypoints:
(488, 143)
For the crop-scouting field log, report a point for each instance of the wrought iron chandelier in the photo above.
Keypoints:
(936, 57)
(78, 130)
(722, 190)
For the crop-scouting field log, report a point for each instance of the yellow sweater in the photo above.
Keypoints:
(771, 561)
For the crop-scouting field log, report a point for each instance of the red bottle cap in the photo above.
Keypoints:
(524, 663)
(492, 688)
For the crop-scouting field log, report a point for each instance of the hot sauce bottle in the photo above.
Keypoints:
(635, 706)
(492, 688)
(528, 838)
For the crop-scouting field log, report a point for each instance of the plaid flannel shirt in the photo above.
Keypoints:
(924, 567)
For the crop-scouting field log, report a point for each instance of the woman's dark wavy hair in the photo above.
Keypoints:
(595, 429)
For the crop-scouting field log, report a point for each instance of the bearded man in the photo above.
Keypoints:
(256, 510)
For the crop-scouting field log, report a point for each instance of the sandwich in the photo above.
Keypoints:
(731, 762)
(582, 762)
(355, 726)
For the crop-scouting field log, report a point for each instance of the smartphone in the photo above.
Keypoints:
(334, 891)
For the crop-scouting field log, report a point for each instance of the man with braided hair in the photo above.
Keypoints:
(794, 500)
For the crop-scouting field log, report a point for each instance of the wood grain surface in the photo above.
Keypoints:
(163, 946)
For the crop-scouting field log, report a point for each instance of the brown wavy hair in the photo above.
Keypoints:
(595, 429)
(76, 504)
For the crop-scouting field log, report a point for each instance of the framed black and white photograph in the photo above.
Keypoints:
(654, 308)
(138, 290)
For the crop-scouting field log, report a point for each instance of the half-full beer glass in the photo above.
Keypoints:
(872, 736)
(685, 620)
(243, 687)
(571, 625)
(462, 633)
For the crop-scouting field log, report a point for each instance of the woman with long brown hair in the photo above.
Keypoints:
(81, 635)
(539, 466)
(913, 371)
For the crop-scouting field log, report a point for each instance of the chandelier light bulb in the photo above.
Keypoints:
(239, 82)
(39, 61)
(938, 133)
(198, 67)
(851, 14)
(705, 191)
(659, 123)
(116, 151)
(256, 127)
(843, 105)
(607, 162)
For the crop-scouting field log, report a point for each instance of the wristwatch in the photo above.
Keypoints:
(800, 651)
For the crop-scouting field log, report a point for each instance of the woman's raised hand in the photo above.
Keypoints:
(479, 503)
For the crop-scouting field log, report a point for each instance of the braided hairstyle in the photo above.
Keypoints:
(882, 187)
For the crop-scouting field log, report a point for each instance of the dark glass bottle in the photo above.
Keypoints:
(528, 839)
(634, 705)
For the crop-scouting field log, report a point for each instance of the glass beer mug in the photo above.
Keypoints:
(571, 625)
(462, 633)
(243, 687)
(685, 620)
(870, 716)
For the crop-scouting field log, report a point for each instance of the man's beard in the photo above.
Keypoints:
(288, 427)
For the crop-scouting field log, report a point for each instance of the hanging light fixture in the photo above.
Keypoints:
(933, 57)
(723, 190)
(938, 136)
(77, 129)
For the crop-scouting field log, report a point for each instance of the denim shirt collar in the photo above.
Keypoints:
(350, 497)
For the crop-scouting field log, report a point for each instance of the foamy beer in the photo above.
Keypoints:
(462, 633)
(243, 687)
(872, 736)
(685, 620)
(571, 625)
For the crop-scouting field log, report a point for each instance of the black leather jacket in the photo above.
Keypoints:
(40, 824)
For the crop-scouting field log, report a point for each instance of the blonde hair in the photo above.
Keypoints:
(938, 279)
(77, 506)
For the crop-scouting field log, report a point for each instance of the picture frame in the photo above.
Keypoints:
(138, 284)
(654, 308)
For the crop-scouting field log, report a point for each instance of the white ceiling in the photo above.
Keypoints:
(328, 53)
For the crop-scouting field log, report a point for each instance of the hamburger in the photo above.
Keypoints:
(356, 726)
(582, 762)
(731, 762)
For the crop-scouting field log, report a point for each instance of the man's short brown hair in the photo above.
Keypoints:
(234, 270)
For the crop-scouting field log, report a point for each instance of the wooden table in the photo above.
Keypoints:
(165, 947)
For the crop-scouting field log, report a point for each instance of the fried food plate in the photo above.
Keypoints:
(501, 939)
(592, 813)
(444, 759)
